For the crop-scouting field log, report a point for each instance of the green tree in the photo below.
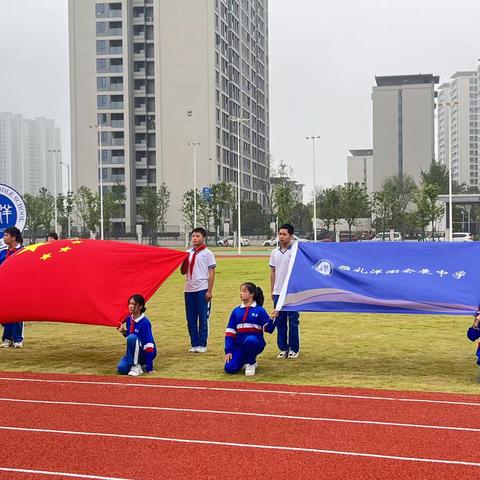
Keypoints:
(88, 208)
(283, 202)
(34, 214)
(428, 210)
(254, 219)
(153, 207)
(222, 204)
(400, 190)
(188, 206)
(354, 203)
(47, 208)
(437, 174)
(112, 206)
(330, 207)
(381, 208)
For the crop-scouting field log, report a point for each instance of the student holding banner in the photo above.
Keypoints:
(12, 332)
(288, 339)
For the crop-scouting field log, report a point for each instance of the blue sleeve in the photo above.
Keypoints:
(473, 334)
(148, 343)
(267, 323)
(231, 333)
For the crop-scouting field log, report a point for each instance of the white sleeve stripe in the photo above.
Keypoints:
(148, 345)
(230, 330)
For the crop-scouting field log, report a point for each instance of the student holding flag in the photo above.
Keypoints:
(244, 333)
(199, 271)
(288, 339)
(141, 348)
(12, 332)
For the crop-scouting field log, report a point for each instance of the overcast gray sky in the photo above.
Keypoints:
(323, 60)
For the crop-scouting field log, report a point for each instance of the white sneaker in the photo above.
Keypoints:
(283, 354)
(292, 354)
(17, 344)
(6, 344)
(192, 349)
(250, 369)
(135, 371)
(201, 349)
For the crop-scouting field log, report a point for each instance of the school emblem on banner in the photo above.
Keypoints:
(13, 212)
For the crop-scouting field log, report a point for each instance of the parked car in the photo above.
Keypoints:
(437, 237)
(271, 242)
(345, 237)
(230, 241)
(385, 237)
(462, 237)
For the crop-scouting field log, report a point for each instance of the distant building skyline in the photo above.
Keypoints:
(360, 168)
(25, 161)
(403, 126)
(458, 124)
(163, 79)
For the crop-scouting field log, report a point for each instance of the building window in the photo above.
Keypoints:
(101, 46)
(100, 9)
(101, 65)
(101, 27)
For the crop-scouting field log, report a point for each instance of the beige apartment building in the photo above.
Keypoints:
(458, 126)
(403, 126)
(163, 81)
(360, 168)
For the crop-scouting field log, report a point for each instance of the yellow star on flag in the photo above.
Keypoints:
(31, 248)
(46, 256)
(65, 249)
(75, 242)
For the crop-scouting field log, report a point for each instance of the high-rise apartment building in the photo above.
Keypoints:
(458, 124)
(164, 81)
(360, 168)
(26, 164)
(403, 126)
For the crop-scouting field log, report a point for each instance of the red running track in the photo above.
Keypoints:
(64, 426)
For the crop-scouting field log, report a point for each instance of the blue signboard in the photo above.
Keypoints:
(207, 193)
(13, 212)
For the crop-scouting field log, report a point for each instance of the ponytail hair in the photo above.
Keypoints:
(139, 300)
(257, 292)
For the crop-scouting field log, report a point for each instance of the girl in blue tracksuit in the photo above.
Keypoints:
(244, 333)
(141, 348)
(473, 333)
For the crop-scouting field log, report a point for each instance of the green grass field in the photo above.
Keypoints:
(403, 352)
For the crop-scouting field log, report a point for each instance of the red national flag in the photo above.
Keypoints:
(82, 281)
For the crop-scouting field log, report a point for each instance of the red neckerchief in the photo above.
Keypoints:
(196, 251)
(132, 324)
(245, 315)
(11, 251)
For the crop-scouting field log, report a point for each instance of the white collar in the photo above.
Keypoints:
(254, 304)
(136, 320)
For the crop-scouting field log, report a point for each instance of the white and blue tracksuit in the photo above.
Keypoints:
(244, 335)
(12, 332)
(141, 348)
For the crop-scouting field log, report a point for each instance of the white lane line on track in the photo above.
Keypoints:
(245, 414)
(241, 445)
(58, 474)
(245, 390)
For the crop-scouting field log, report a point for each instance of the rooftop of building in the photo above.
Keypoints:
(362, 152)
(444, 85)
(397, 80)
(464, 74)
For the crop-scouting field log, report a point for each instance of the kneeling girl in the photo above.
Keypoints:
(141, 348)
(244, 334)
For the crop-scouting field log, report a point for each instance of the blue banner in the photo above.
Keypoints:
(439, 278)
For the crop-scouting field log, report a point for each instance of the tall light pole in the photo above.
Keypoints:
(449, 106)
(98, 127)
(194, 144)
(68, 191)
(314, 138)
(55, 151)
(239, 121)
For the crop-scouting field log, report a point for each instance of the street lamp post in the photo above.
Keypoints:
(55, 209)
(314, 138)
(239, 121)
(194, 144)
(449, 105)
(98, 127)
(68, 191)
